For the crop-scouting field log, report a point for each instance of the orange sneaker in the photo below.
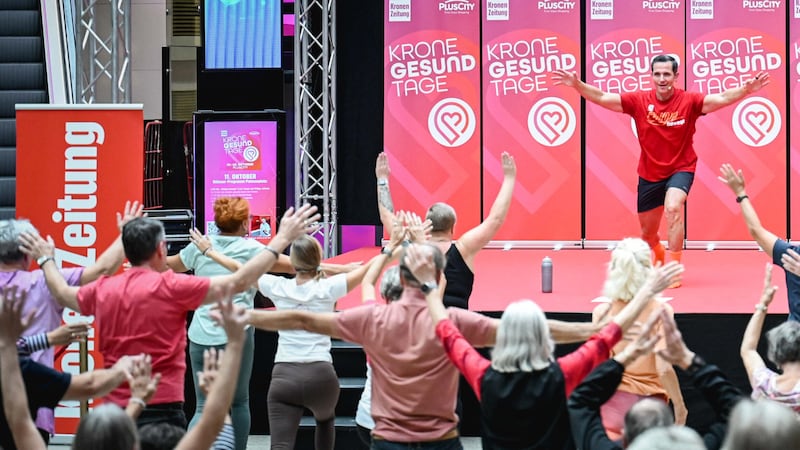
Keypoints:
(658, 254)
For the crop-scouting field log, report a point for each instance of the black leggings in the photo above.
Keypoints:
(297, 385)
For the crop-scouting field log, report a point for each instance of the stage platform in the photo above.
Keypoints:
(715, 282)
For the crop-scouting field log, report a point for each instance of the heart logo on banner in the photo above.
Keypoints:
(758, 125)
(551, 121)
(756, 121)
(451, 122)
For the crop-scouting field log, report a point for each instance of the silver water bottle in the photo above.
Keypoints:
(547, 275)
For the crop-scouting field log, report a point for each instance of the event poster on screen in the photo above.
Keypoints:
(240, 161)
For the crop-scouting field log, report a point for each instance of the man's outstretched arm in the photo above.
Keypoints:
(607, 100)
(713, 102)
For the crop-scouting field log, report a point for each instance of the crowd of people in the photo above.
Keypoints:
(618, 389)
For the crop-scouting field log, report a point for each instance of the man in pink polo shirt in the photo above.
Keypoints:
(414, 384)
(143, 310)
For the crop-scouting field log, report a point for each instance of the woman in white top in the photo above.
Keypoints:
(303, 374)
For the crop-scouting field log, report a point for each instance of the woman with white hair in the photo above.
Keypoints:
(647, 377)
(522, 390)
(783, 349)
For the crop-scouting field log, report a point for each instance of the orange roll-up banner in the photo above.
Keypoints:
(621, 40)
(76, 167)
(727, 43)
(432, 105)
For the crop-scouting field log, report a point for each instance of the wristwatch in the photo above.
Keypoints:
(428, 287)
(43, 259)
(386, 251)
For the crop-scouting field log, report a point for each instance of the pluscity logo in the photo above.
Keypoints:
(451, 122)
(769, 5)
(550, 5)
(756, 121)
(457, 6)
(660, 5)
(551, 121)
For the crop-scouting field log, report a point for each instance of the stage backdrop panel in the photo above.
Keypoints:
(727, 44)
(77, 165)
(621, 40)
(535, 121)
(432, 104)
(794, 105)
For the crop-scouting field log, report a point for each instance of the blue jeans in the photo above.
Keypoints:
(447, 444)
(240, 409)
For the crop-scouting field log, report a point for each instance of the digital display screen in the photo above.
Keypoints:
(240, 160)
(242, 34)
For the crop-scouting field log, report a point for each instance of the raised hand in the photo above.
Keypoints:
(418, 231)
(733, 178)
(12, 323)
(420, 262)
(382, 167)
(791, 261)
(398, 230)
(560, 76)
(756, 83)
(34, 246)
(142, 383)
(676, 352)
(207, 376)
(296, 222)
(768, 292)
(131, 211)
(662, 277)
(509, 166)
(199, 240)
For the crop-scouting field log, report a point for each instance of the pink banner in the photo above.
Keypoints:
(727, 44)
(535, 121)
(621, 40)
(794, 96)
(431, 121)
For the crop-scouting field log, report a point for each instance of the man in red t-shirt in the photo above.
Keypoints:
(143, 310)
(665, 122)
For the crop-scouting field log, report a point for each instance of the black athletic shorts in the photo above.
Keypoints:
(652, 193)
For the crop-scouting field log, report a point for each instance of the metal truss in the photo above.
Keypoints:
(103, 53)
(315, 114)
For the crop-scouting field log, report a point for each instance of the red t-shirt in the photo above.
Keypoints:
(144, 311)
(666, 130)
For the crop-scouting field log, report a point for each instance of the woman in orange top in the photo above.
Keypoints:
(648, 376)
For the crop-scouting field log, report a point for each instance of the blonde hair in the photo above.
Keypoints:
(523, 339)
(628, 269)
(306, 255)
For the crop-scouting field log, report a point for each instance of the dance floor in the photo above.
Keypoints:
(715, 282)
